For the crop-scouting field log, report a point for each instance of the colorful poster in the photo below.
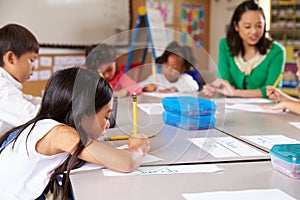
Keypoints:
(192, 22)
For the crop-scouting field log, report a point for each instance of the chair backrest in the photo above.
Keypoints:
(197, 77)
(9, 139)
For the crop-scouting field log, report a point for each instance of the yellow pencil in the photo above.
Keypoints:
(277, 80)
(134, 105)
(122, 137)
(101, 74)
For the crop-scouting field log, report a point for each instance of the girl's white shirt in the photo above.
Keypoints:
(185, 83)
(24, 173)
(16, 107)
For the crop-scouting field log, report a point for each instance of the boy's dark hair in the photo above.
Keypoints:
(184, 52)
(69, 95)
(233, 38)
(100, 55)
(18, 39)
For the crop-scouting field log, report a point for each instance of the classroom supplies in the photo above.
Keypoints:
(134, 105)
(286, 159)
(189, 106)
(122, 137)
(190, 113)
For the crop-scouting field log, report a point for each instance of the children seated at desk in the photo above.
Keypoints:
(174, 77)
(102, 59)
(19, 50)
(283, 100)
(75, 111)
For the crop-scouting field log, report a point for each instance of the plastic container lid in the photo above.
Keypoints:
(189, 106)
(287, 152)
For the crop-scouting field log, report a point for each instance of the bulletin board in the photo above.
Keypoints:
(67, 21)
(45, 66)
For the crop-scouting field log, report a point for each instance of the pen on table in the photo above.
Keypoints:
(277, 80)
(134, 102)
(122, 137)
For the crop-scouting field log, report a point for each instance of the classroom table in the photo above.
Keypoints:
(240, 123)
(236, 176)
(171, 144)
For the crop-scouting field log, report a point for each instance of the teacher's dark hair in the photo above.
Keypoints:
(233, 38)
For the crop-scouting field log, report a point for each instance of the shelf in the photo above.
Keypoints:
(290, 91)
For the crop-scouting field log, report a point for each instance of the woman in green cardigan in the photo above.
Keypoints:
(248, 60)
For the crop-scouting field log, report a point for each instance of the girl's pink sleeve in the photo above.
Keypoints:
(125, 82)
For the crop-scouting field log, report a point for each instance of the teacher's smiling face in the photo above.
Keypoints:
(250, 27)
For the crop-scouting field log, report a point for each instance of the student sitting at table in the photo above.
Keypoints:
(75, 111)
(173, 77)
(102, 59)
(284, 101)
(18, 52)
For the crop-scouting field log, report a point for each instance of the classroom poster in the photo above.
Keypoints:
(165, 7)
(192, 23)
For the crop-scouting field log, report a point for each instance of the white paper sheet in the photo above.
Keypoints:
(268, 141)
(222, 147)
(252, 108)
(212, 147)
(296, 124)
(238, 147)
(242, 100)
(174, 169)
(151, 108)
(162, 95)
(266, 194)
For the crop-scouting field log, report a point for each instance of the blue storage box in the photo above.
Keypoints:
(286, 159)
(189, 106)
(189, 122)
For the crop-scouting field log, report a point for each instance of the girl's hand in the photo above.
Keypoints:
(139, 142)
(168, 90)
(278, 106)
(150, 88)
(275, 94)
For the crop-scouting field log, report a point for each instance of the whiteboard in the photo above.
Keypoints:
(67, 21)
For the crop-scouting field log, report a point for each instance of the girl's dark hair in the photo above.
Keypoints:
(185, 52)
(233, 38)
(70, 94)
(100, 55)
(18, 39)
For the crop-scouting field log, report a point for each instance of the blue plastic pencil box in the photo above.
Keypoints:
(189, 122)
(189, 106)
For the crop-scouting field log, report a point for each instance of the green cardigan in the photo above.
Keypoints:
(264, 74)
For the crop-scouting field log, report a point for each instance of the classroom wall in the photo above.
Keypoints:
(220, 16)
(67, 21)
